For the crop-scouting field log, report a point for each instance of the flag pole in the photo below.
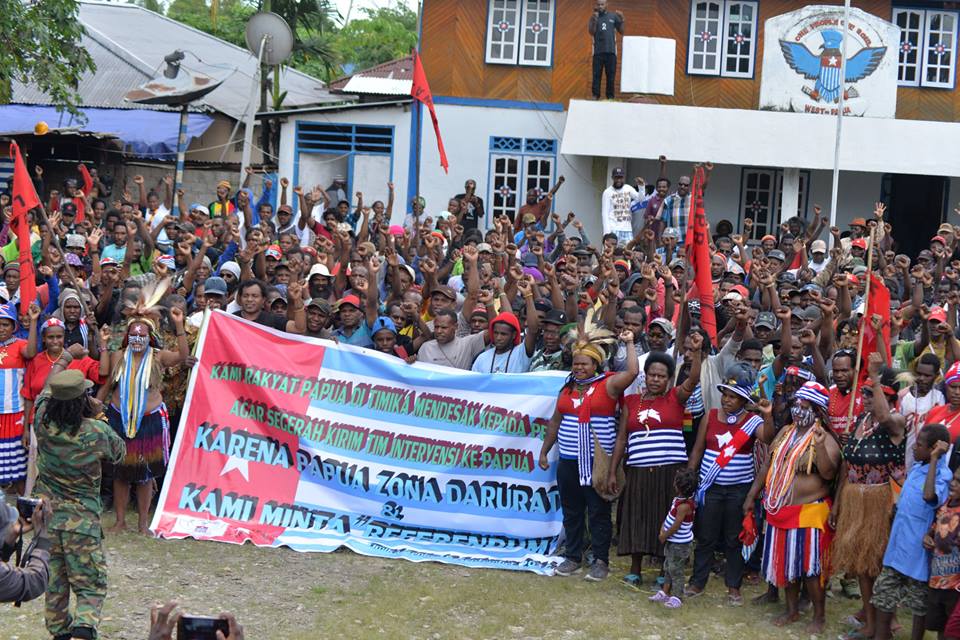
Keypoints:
(418, 119)
(863, 322)
(835, 187)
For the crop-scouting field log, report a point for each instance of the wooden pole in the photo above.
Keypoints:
(863, 324)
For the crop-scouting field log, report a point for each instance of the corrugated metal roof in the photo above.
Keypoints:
(396, 76)
(104, 88)
(129, 43)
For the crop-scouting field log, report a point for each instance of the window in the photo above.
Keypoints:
(319, 137)
(760, 196)
(928, 40)
(520, 32)
(722, 38)
(516, 166)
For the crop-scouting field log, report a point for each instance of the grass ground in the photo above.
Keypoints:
(278, 594)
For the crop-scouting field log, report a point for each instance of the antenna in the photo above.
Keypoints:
(270, 38)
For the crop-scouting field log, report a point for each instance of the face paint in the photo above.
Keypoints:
(803, 417)
(138, 343)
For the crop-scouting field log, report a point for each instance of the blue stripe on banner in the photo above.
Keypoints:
(443, 506)
(535, 475)
(427, 378)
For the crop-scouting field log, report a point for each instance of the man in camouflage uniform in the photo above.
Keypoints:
(68, 465)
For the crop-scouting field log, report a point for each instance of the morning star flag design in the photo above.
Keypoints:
(292, 441)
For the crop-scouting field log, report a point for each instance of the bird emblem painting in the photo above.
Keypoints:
(824, 68)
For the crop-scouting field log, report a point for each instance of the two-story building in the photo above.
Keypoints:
(741, 83)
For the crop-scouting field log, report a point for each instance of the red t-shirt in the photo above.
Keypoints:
(38, 370)
(839, 409)
(943, 414)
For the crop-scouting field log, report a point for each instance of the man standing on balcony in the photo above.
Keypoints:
(603, 26)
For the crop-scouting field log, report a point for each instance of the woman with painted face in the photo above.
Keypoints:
(136, 410)
(872, 465)
(724, 455)
(14, 354)
(651, 436)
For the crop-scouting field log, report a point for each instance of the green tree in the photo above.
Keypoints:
(231, 17)
(152, 5)
(384, 34)
(43, 48)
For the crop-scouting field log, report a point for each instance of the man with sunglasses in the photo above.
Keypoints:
(676, 206)
(841, 395)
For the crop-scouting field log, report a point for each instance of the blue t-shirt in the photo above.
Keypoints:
(905, 552)
(359, 338)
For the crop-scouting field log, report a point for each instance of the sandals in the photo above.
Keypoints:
(632, 581)
(673, 602)
(734, 600)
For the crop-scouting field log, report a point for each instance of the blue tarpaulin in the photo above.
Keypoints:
(145, 133)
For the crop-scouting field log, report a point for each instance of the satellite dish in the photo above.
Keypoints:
(275, 34)
(175, 86)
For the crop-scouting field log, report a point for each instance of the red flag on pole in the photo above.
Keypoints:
(24, 199)
(421, 91)
(878, 304)
(698, 254)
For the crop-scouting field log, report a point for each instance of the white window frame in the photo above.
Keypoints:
(773, 204)
(527, 177)
(925, 45)
(515, 25)
(706, 31)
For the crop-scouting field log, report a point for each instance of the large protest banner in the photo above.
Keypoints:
(293, 441)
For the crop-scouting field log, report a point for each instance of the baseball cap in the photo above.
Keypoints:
(555, 316)
(382, 323)
(483, 247)
(319, 303)
(69, 209)
(671, 232)
(664, 324)
(445, 291)
(938, 314)
(776, 254)
(940, 239)
(946, 227)
(167, 261)
(859, 243)
(818, 246)
(319, 269)
(858, 222)
(766, 319)
(199, 208)
(215, 285)
(351, 300)
(733, 296)
(109, 262)
(273, 251)
(617, 172)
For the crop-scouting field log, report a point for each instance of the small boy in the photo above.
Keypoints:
(943, 541)
(906, 564)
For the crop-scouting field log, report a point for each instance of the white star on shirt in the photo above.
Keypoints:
(832, 61)
(729, 451)
(724, 439)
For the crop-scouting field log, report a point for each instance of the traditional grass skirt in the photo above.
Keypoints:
(148, 451)
(644, 503)
(13, 457)
(863, 529)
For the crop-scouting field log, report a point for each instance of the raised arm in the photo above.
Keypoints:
(618, 382)
(685, 390)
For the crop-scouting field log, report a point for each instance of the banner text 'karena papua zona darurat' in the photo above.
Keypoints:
(292, 441)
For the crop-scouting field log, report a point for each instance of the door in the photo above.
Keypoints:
(915, 203)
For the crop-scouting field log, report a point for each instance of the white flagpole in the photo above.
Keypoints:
(836, 147)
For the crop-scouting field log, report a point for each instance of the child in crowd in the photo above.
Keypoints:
(943, 542)
(676, 535)
(906, 563)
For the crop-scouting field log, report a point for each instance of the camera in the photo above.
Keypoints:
(26, 507)
(201, 628)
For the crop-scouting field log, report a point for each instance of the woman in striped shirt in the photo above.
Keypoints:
(724, 455)
(651, 434)
(586, 410)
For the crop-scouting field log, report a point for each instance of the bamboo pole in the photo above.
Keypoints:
(863, 324)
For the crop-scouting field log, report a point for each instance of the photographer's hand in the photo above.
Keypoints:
(236, 631)
(163, 620)
(41, 518)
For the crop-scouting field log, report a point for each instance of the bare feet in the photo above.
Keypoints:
(786, 618)
(816, 627)
(119, 527)
(145, 531)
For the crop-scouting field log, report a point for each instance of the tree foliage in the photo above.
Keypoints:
(231, 17)
(384, 34)
(43, 48)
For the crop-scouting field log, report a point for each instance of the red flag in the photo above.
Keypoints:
(698, 254)
(878, 304)
(24, 199)
(421, 91)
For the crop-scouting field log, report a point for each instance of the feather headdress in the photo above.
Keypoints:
(593, 340)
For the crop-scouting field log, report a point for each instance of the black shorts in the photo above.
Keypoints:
(940, 604)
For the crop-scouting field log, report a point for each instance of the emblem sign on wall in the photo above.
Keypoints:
(802, 55)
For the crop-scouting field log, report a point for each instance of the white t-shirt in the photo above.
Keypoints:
(514, 361)
(615, 209)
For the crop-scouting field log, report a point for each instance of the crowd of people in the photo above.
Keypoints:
(808, 436)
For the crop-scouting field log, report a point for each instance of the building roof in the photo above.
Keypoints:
(394, 78)
(128, 43)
